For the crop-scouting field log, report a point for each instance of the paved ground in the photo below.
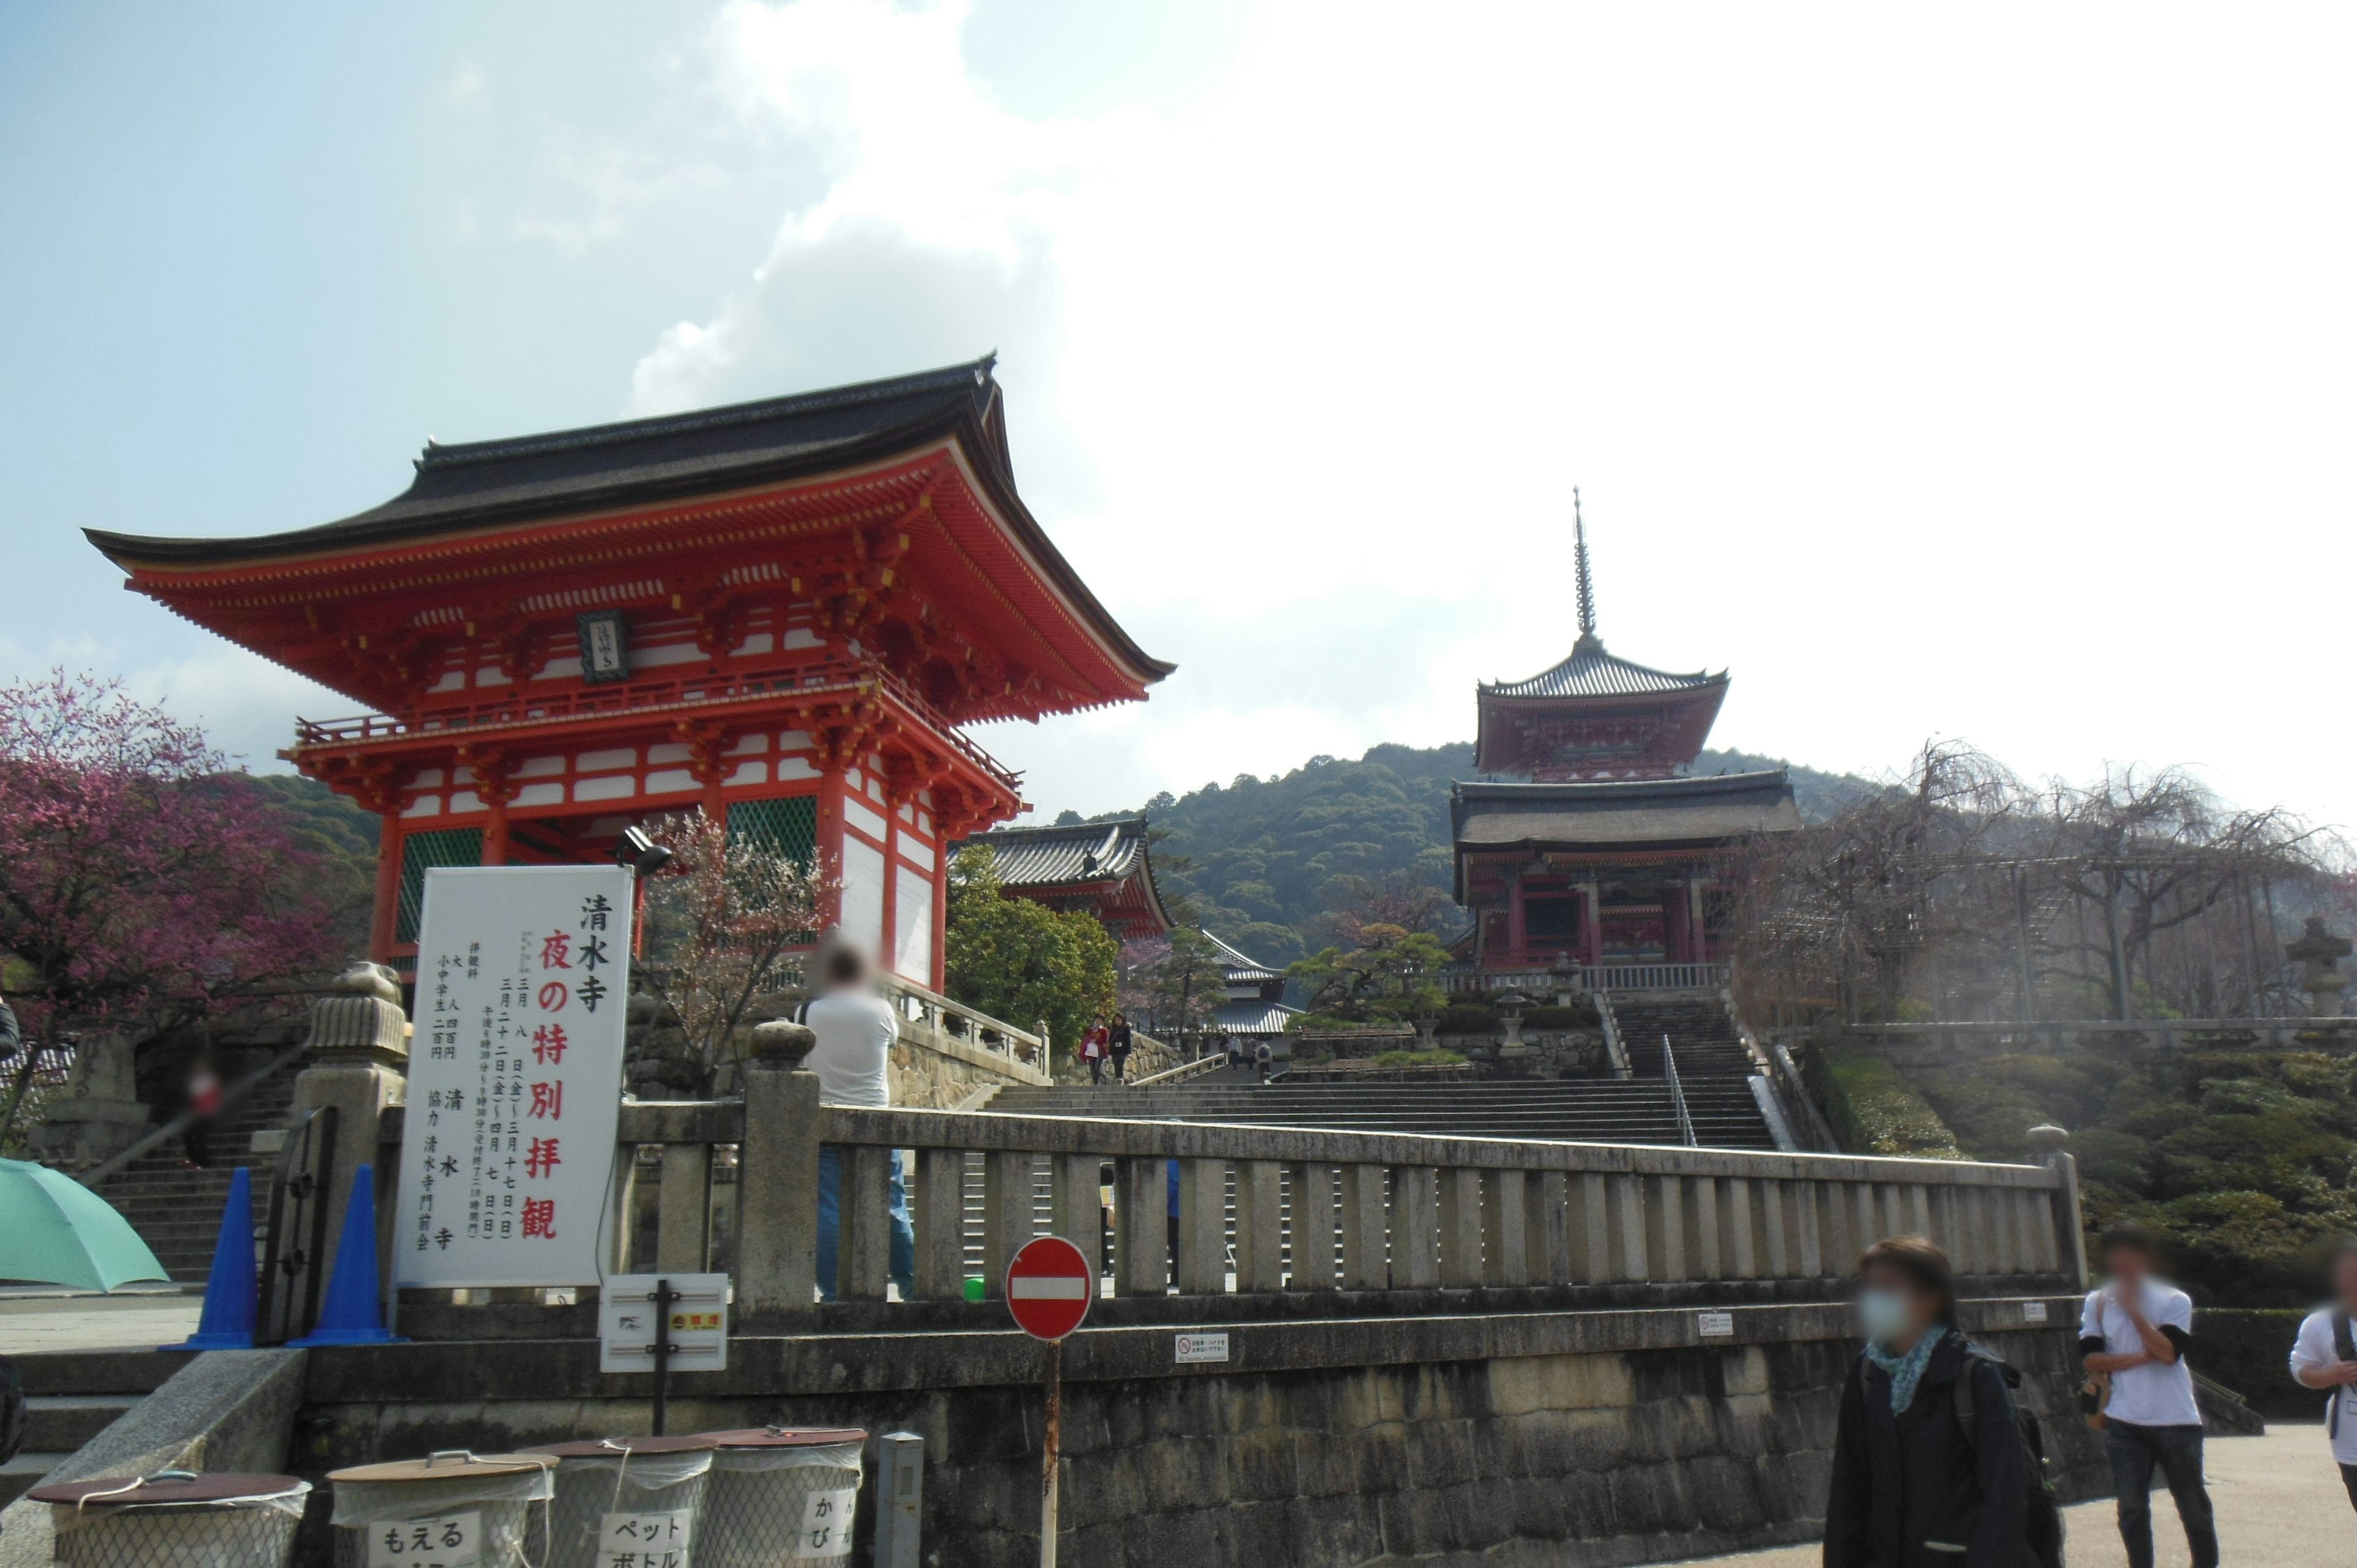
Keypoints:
(2278, 1497)
(133, 1317)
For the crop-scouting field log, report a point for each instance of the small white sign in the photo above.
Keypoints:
(644, 1539)
(2033, 1311)
(1202, 1347)
(628, 1323)
(827, 1518)
(1715, 1324)
(444, 1540)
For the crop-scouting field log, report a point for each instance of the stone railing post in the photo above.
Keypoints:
(2070, 1225)
(776, 1178)
(356, 1059)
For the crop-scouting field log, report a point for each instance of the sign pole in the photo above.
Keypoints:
(1054, 1436)
(664, 1296)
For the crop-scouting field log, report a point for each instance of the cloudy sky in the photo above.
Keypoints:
(1978, 372)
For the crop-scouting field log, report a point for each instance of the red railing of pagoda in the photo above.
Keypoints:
(515, 709)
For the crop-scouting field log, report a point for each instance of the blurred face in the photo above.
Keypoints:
(2128, 1265)
(2344, 1280)
(1892, 1309)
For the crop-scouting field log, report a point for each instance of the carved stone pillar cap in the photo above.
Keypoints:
(368, 980)
(780, 1046)
(2048, 1138)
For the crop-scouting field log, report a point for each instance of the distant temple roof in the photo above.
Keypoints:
(1243, 971)
(1102, 866)
(1594, 715)
(1621, 814)
(1590, 672)
(1251, 1015)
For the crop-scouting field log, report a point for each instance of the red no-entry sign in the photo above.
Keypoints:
(1048, 1288)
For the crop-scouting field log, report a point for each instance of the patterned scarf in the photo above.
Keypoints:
(1906, 1372)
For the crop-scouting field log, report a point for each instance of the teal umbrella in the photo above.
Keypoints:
(55, 1231)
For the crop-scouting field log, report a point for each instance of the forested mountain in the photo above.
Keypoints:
(1257, 857)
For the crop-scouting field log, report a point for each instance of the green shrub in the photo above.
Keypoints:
(1578, 1015)
(2249, 1351)
(1467, 1018)
(1875, 1111)
(1416, 1058)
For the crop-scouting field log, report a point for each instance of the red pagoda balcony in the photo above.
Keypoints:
(523, 714)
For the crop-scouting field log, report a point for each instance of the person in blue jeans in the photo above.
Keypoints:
(2135, 1331)
(854, 1029)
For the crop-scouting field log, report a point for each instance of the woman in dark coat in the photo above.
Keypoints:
(1910, 1489)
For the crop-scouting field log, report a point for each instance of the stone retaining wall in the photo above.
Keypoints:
(1590, 1437)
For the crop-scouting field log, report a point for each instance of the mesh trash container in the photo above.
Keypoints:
(779, 1494)
(175, 1520)
(453, 1508)
(626, 1499)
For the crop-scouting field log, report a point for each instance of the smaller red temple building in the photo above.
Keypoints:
(782, 613)
(1601, 852)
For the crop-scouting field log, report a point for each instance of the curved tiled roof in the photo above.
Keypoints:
(1252, 1016)
(1083, 852)
(1243, 971)
(1592, 672)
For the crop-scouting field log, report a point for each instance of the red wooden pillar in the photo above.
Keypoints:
(1698, 938)
(1517, 923)
(939, 980)
(829, 846)
(1591, 925)
(495, 830)
(887, 942)
(388, 885)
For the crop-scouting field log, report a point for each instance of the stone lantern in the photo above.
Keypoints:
(2319, 954)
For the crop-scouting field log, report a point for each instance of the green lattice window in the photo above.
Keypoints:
(421, 852)
(790, 825)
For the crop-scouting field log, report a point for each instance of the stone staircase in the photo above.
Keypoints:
(1595, 1111)
(177, 1211)
(74, 1395)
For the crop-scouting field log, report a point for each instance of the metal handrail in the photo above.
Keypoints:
(178, 1125)
(1677, 1094)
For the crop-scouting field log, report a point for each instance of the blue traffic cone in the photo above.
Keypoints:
(350, 1315)
(227, 1323)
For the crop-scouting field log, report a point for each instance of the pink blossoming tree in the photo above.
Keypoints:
(143, 886)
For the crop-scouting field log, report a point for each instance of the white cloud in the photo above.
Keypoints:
(1973, 378)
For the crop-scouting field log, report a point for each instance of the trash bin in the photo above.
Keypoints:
(175, 1519)
(455, 1507)
(779, 1494)
(626, 1499)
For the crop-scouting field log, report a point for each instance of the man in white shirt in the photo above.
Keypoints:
(2135, 1330)
(852, 1056)
(2323, 1357)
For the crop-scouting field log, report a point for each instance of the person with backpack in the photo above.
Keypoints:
(2323, 1356)
(1934, 1465)
(2134, 1332)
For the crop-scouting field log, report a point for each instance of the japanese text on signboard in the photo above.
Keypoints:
(522, 973)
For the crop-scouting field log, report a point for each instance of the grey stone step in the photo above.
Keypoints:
(63, 1423)
(19, 1474)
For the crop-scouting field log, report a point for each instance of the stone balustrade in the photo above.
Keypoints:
(1270, 1210)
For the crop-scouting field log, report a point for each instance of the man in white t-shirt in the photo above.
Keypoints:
(852, 1056)
(2323, 1357)
(2135, 1330)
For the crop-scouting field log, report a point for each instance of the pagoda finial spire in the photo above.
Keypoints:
(1587, 637)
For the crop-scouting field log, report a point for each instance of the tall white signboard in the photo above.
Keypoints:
(515, 1075)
